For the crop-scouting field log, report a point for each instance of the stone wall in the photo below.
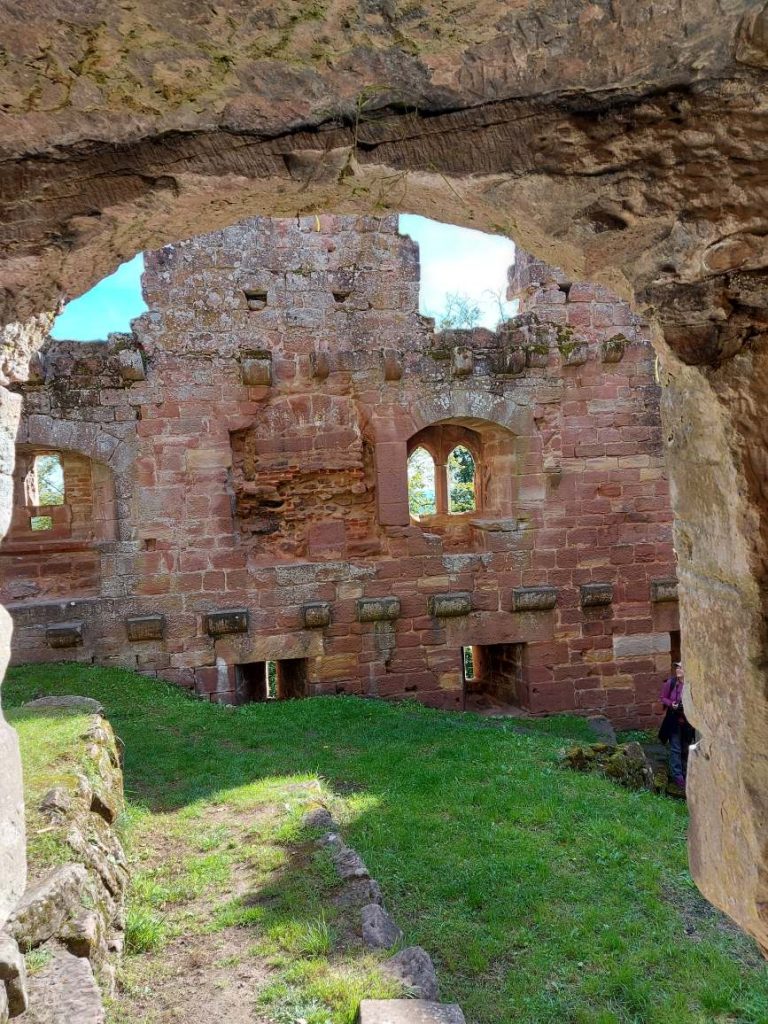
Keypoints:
(257, 428)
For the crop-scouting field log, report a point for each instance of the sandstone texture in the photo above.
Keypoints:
(414, 968)
(211, 524)
(625, 142)
(409, 1011)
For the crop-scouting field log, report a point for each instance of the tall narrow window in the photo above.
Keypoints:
(48, 479)
(422, 500)
(461, 480)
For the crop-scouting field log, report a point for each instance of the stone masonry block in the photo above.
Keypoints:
(641, 645)
(447, 606)
(462, 362)
(612, 350)
(228, 620)
(316, 614)
(64, 634)
(409, 1011)
(378, 609)
(533, 599)
(594, 595)
(257, 370)
(663, 590)
(145, 627)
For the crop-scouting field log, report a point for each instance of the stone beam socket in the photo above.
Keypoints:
(663, 590)
(316, 614)
(449, 606)
(64, 634)
(595, 595)
(145, 627)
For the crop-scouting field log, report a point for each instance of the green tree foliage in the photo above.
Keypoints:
(421, 484)
(461, 480)
(50, 480)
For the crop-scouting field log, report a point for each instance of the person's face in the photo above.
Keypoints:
(679, 673)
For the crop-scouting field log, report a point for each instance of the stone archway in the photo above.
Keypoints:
(623, 142)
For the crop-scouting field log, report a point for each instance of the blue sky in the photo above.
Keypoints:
(108, 306)
(453, 261)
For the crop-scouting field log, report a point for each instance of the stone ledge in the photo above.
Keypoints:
(448, 606)
(64, 634)
(145, 627)
(533, 599)
(316, 614)
(228, 620)
(663, 590)
(378, 609)
(596, 595)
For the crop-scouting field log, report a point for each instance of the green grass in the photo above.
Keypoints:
(52, 754)
(542, 895)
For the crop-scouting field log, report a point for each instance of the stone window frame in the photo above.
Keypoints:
(440, 440)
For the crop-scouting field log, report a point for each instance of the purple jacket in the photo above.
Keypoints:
(672, 691)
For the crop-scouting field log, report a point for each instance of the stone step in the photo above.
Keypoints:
(64, 991)
(409, 1011)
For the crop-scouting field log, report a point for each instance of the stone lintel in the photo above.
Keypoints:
(448, 606)
(64, 634)
(316, 614)
(145, 627)
(663, 590)
(378, 609)
(594, 595)
(641, 645)
(533, 599)
(228, 620)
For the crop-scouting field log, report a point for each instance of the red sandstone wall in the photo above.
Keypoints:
(261, 465)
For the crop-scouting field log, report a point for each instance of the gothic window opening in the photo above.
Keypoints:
(422, 495)
(461, 481)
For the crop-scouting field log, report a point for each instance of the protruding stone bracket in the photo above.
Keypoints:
(612, 350)
(228, 620)
(316, 614)
(595, 595)
(462, 362)
(663, 590)
(64, 634)
(378, 609)
(536, 355)
(256, 369)
(449, 606)
(145, 627)
(509, 361)
(130, 363)
(533, 599)
(573, 353)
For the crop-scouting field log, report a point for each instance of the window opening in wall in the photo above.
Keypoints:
(422, 498)
(461, 480)
(468, 660)
(48, 481)
(39, 523)
(285, 679)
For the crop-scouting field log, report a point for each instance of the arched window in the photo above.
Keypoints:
(461, 480)
(422, 499)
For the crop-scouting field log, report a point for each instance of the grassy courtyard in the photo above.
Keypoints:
(541, 895)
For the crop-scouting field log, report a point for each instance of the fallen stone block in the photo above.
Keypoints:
(349, 863)
(414, 968)
(64, 991)
(359, 892)
(86, 704)
(318, 817)
(379, 930)
(409, 1011)
(45, 908)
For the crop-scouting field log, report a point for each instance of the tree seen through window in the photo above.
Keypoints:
(461, 480)
(422, 498)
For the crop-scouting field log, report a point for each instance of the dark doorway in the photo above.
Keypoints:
(674, 646)
(251, 682)
(271, 680)
(495, 673)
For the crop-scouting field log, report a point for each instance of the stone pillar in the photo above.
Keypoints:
(717, 437)
(12, 850)
(19, 342)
